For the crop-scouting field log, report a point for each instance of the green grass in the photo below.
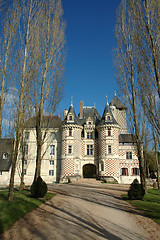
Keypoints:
(23, 203)
(150, 205)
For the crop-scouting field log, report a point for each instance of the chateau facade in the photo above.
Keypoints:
(86, 145)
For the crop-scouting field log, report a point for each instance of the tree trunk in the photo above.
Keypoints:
(22, 173)
(13, 169)
(39, 147)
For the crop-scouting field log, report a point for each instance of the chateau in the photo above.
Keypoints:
(81, 146)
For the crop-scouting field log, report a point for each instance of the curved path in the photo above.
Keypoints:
(81, 210)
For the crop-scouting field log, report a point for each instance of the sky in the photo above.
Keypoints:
(89, 73)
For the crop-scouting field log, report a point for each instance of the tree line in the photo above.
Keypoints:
(137, 68)
(32, 64)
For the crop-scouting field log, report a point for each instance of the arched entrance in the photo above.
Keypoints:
(89, 171)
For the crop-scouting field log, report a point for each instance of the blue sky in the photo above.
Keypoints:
(89, 73)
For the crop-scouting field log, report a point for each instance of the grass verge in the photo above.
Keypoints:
(23, 203)
(150, 205)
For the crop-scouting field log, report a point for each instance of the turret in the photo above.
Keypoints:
(108, 133)
(71, 143)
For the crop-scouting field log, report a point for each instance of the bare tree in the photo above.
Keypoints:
(25, 32)
(155, 139)
(9, 23)
(47, 64)
(127, 73)
(147, 42)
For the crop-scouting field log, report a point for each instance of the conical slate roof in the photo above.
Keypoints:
(76, 120)
(117, 103)
(107, 111)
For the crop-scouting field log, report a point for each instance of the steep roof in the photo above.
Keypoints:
(47, 122)
(75, 121)
(127, 138)
(6, 147)
(117, 103)
(107, 111)
(92, 113)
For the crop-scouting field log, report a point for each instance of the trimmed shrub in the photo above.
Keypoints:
(135, 191)
(39, 188)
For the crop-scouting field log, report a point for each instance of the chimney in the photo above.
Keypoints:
(81, 110)
(65, 113)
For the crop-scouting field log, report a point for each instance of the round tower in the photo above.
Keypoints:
(108, 134)
(71, 145)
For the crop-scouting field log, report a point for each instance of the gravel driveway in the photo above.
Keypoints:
(87, 210)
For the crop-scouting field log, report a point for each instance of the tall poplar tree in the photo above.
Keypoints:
(126, 62)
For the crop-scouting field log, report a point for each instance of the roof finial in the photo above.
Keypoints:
(72, 101)
(94, 105)
(114, 93)
(106, 100)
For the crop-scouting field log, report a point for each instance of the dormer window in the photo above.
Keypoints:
(5, 155)
(70, 118)
(89, 121)
(108, 118)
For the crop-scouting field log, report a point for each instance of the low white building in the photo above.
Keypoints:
(86, 145)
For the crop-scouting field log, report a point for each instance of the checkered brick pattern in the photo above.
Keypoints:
(103, 147)
(68, 167)
(130, 166)
(111, 167)
(64, 133)
(64, 147)
(77, 148)
(83, 149)
(96, 149)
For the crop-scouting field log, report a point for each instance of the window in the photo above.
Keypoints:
(70, 118)
(26, 136)
(51, 162)
(5, 155)
(124, 171)
(52, 149)
(109, 131)
(52, 136)
(89, 150)
(26, 150)
(89, 135)
(128, 155)
(102, 166)
(25, 171)
(51, 172)
(89, 123)
(70, 132)
(135, 171)
(108, 118)
(69, 149)
(109, 149)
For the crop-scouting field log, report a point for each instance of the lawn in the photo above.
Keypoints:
(23, 203)
(150, 204)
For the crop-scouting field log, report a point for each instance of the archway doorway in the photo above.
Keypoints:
(89, 171)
